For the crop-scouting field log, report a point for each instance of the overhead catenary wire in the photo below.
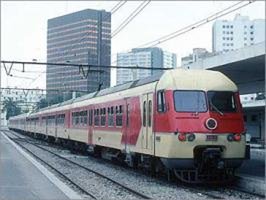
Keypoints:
(130, 18)
(191, 27)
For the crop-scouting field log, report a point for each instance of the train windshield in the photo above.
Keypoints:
(221, 101)
(190, 101)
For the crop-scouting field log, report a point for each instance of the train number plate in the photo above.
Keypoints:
(211, 137)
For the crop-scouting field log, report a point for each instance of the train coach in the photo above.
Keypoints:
(185, 122)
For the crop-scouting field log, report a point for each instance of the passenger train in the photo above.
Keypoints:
(185, 122)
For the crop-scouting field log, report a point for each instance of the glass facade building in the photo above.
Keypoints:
(144, 57)
(82, 37)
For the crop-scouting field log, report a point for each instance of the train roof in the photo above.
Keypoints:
(117, 88)
(184, 79)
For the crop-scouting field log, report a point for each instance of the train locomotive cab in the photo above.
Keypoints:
(200, 133)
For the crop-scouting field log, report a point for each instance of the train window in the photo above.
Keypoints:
(111, 117)
(190, 101)
(161, 107)
(127, 115)
(103, 117)
(116, 109)
(144, 113)
(119, 116)
(149, 113)
(96, 118)
(221, 101)
(90, 117)
(112, 110)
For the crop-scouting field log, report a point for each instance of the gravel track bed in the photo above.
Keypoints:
(153, 187)
(100, 188)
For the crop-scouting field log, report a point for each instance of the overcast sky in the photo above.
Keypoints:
(24, 28)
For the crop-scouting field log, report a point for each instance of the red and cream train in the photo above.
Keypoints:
(189, 122)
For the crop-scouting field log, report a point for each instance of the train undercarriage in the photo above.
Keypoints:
(207, 166)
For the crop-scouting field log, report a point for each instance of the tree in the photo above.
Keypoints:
(41, 104)
(11, 107)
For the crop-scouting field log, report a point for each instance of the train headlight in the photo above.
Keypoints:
(230, 138)
(237, 137)
(211, 124)
(182, 137)
(191, 137)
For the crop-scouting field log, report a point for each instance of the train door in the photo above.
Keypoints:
(147, 121)
(127, 125)
(90, 126)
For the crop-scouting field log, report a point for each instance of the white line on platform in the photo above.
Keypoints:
(62, 186)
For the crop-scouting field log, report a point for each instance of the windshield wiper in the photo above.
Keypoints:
(215, 108)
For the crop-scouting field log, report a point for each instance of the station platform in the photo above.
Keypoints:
(252, 172)
(21, 178)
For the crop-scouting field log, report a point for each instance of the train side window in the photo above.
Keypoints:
(144, 113)
(127, 120)
(111, 116)
(103, 117)
(149, 113)
(161, 107)
(119, 116)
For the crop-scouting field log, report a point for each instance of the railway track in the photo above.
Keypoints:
(210, 192)
(20, 140)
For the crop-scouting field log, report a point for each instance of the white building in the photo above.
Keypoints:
(143, 57)
(230, 35)
(25, 99)
(198, 54)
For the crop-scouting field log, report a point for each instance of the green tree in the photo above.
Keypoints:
(41, 104)
(11, 107)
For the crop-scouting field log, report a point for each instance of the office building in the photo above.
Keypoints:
(82, 37)
(229, 35)
(143, 57)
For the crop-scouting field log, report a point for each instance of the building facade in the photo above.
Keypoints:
(82, 37)
(231, 35)
(197, 54)
(143, 57)
(25, 99)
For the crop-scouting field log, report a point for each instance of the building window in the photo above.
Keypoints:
(227, 26)
(251, 26)
(223, 26)
(251, 39)
(245, 26)
(231, 32)
(251, 33)
(231, 26)
(245, 33)
(245, 38)
(231, 38)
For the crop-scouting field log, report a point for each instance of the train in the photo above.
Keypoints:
(184, 122)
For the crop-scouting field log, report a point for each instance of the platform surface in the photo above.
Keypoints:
(20, 179)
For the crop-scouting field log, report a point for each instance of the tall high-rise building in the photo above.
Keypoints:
(143, 57)
(82, 37)
(230, 35)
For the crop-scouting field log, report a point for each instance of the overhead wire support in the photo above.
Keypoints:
(130, 18)
(40, 89)
(85, 65)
